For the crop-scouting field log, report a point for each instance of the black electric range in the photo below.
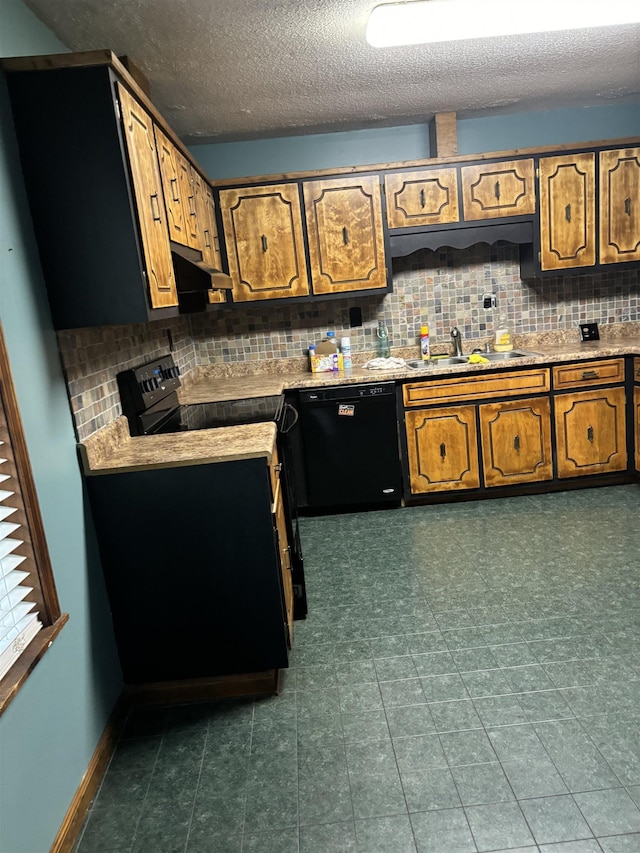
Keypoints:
(149, 399)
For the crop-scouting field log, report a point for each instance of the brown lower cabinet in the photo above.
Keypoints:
(591, 432)
(442, 449)
(516, 441)
(497, 429)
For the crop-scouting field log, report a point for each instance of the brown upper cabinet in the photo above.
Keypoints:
(492, 190)
(567, 211)
(176, 183)
(205, 219)
(147, 185)
(424, 197)
(100, 164)
(620, 205)
(345, 234)
(264, 240)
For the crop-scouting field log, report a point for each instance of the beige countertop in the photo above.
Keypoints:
(113, 450)
(212, 388)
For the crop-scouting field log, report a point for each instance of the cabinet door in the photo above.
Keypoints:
(175, 184)
(636, 424)
(620, 206)
(498, 189)
(442, 449)
(516, 442)
(590, 432)
(265, 246)
(147, 186)
(284, 556)
(427, 197)
(567, 211)
(344, 227)
(206, 222)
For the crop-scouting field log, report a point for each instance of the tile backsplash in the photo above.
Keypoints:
(444, 287)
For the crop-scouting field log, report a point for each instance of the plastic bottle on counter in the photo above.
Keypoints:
(384, 350)
(425, 347)
(312, 354)
(345, 349)
(503, 337)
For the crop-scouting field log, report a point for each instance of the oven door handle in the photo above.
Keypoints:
(284, 427)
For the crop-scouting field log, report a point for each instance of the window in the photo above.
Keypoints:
(29, 610)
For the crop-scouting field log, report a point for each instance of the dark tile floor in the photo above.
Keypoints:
(468, 679)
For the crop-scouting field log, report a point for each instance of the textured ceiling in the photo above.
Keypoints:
(223, 70)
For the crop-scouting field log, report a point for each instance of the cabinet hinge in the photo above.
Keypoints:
(116, 106)
(539, 257)
(537, 173)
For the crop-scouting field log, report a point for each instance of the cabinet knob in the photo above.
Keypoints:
(516, 443)
(590, 434)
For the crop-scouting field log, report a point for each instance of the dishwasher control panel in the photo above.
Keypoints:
(348, 392)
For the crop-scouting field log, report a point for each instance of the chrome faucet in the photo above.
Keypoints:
(456, 341)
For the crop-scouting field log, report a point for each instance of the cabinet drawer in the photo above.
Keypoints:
(587, 373)
(481, 387)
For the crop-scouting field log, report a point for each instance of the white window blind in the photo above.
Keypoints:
(30, 617)
(19, 622)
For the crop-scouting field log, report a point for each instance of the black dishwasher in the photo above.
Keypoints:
(350, 445)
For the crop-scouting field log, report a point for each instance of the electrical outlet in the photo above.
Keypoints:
(589, 332)
(489, 301)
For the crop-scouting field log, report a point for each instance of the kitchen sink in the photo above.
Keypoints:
(437, 362)
(464, 359)
(501, 356)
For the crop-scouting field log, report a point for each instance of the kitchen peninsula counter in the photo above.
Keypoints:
(113, 450)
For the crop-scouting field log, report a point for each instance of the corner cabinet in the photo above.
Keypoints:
(264, 240)
(345, 234)
(112, 196)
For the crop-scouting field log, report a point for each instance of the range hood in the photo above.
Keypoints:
(195, 278)
(404, 244)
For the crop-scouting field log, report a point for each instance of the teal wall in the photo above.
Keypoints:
(49, 732)
(411, 142)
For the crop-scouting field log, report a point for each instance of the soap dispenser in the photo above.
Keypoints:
(503, 337)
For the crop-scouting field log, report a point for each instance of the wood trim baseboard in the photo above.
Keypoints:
(77, 811)
(200, 689)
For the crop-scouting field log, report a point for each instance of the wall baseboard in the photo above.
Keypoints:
(202, 689)
(90, 783)
(193, 690)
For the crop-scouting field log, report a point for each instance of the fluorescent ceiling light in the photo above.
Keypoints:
(423, 21)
